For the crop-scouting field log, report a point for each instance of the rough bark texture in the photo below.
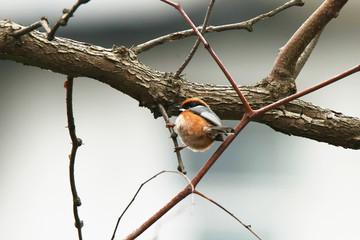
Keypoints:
(121, 69)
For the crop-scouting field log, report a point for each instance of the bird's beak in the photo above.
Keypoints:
(179, 109)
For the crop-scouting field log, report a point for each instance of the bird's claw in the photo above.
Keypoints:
(177, 149)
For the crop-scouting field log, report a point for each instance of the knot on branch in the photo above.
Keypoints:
(77, 201)
(123, 51)
(79, 142)
(280, 84)
(79, 224)
(169, 96)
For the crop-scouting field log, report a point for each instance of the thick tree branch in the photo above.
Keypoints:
(122, 70)
(285, 64)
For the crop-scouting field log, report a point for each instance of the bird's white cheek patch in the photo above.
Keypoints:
(181, 125)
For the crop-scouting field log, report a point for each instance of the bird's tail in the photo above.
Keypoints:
(216, 132)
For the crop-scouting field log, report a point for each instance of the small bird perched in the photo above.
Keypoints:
(198, 126)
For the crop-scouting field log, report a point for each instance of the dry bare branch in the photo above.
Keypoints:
(248, 227)
(123, 71)
(197, 43)
(284, 66)
(76, 142)
(246, 25)
(305, 55)
(173, 136)
(67, 14)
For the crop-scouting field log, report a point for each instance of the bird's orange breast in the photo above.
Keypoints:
(190, 128)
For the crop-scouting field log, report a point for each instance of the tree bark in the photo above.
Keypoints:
(121, 69)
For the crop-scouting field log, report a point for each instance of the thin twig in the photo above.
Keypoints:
(304, 92)
(305, 55)
(76, 142)
(65, 18)
(42, 23)
(197, 43)
(248, 227)
(190, 188)
(213, 54)
(246, 25)
(247, 117)
(275, 11)
(173, 136)
(45, 24)
(137, 192)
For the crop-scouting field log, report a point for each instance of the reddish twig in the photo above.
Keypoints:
(76, 142)
(247, 117)
(189, 188)
(213, 54)
(248, 227)
(305, 92)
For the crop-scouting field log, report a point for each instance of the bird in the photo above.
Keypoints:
(198, 126)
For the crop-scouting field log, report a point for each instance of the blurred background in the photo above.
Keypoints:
(285, 187)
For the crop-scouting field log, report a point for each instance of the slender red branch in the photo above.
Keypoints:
(189, 188)
(241, 125)
(247, 117)
(213, 54)
(306, 91)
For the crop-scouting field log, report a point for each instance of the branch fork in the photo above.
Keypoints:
(290, 66)
(249, 114)
(67, 14)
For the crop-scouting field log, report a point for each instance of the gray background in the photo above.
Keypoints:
(285, 187)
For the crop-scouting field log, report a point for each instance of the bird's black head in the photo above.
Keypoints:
(192, 102)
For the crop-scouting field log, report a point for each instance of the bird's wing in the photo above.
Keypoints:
(208, 114)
